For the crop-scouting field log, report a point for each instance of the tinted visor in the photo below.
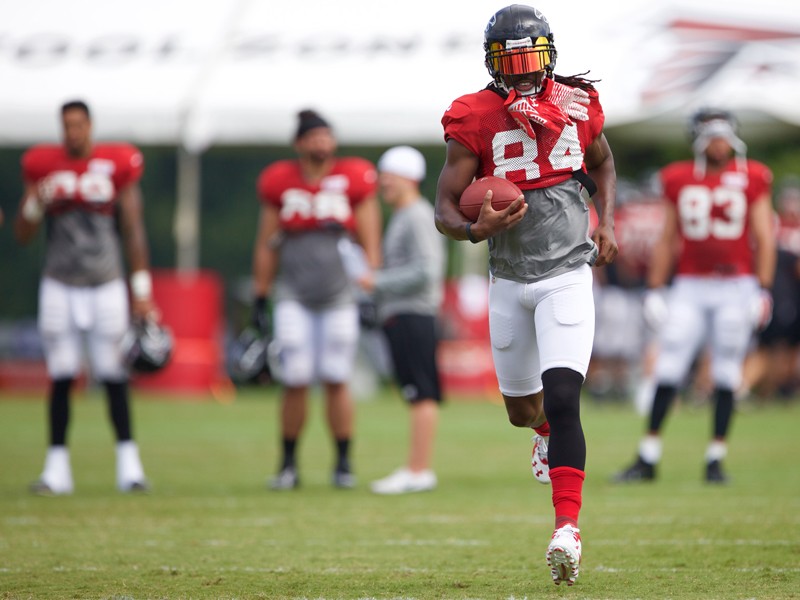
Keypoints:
(519, 61)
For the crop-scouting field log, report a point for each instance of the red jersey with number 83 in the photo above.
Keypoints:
(714, 215)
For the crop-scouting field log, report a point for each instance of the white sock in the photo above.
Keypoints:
(717, 450)
(650, 449)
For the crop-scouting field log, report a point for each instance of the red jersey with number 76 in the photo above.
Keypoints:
(481, 123)
(713, 212)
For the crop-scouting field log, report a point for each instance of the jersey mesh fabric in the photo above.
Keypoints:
(714, 214)
(314, 216)
(83, 245)
(553, 237)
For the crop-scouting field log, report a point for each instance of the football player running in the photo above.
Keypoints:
(88, 196)
(543, 132)
(309, 208)
(719, 217)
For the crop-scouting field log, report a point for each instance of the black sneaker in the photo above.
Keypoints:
(344, 479)
(714, 473)
(286, 479)
(137, 487)
(638, 471)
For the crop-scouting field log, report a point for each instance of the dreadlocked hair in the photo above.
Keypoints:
(577, 81)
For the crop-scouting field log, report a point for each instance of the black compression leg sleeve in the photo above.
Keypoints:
(562, 395)
(665, 394)
(723, 411)
(118, 408)
(59, 410)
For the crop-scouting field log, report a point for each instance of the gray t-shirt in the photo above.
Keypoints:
(413, 263)
(552, 238)
(83, 248)
(310, 269)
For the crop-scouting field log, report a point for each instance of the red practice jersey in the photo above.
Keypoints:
(481, 123)
(714, 215)
(308, 206)
(90, 184)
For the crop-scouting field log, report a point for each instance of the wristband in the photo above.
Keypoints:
(470, 237)
(141, 285)
(32, 210)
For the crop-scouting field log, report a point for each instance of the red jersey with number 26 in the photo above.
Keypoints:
(481, 123)
(307, 206)
(714, 215)
(90, 183)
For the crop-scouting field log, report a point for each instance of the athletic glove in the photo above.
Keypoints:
(573, 101)
(368, 313)
(530, 110)
(655, 308)
(761, 310)
(259, 319)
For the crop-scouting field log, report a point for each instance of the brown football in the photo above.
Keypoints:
(504, 192)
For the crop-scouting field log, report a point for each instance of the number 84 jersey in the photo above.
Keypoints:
(713, 214)
(481, 123)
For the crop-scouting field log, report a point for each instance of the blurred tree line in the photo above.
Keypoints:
(230, 207)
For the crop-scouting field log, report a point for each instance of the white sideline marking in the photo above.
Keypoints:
(696, 542)
(445, 542)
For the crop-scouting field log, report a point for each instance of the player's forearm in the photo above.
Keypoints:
(265, 262)
(29, 216)
(766, 257)
(605, 177)
(450, 221)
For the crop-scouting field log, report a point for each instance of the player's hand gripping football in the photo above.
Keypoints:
(491, 222)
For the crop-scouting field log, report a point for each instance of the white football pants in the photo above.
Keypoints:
(539, 326)
(315, 345)
(68, 313)
(712, 311)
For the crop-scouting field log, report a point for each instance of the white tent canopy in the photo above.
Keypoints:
(195, 74)
(202, 73)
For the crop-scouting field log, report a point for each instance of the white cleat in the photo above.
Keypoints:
(539, 463)
(564, 555)
(403, 481)
(56, 478)
(130, 473)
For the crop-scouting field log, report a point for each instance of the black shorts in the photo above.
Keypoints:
(412, 342)
(785, 324)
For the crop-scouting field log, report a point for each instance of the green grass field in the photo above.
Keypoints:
(210, 528)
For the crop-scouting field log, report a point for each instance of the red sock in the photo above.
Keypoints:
(543, 429)
(567, 493)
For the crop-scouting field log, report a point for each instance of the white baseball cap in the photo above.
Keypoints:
(404, 161)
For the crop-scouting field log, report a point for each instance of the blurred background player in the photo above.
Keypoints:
(543, 132)
(308, 206)
(88, 196)
(772, 368)
(718, 238)
(408, 291)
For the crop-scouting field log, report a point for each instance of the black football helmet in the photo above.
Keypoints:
(518, 40)
(147, 346)
(247, 357)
